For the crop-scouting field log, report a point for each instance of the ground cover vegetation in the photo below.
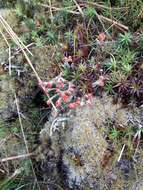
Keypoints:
(97, 48)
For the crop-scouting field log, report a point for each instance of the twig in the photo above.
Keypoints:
(59, 9)
(9, 68)
(100, 20)
(18, 42)
(20, 121)
(24, 156)
(23, 134)
(121, 153)
(100, 17)
(114, 23)
(79, 8)
(17, 52)
(50, 6)
(12, 33)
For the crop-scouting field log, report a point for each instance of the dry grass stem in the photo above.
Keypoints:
(59, 9)
(50, 6)
(13, 34)
(79, 8)
(24, 156)
(24, 137)
(121, 153)
(114, 23)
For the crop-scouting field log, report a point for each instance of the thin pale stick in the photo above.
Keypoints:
(121, 153)
(13, 33)
(50, 6)
(59, 9)
(79, 8)
(23, 156)
(114, 22)
(24, 137)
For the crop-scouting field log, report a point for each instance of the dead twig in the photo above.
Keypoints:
(24, 156)
(50, 6)
(79, 8)
(12, 33)
(121, 153)
(59, 9)
(100, 17)
(100, 20)
(24, 137)
(114, 23)
(18, 51)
